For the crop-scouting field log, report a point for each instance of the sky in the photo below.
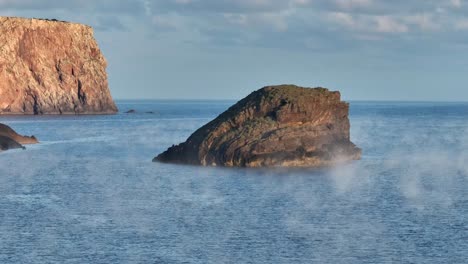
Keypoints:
(415, 50)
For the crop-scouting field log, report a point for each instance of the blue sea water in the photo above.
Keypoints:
(89, 192)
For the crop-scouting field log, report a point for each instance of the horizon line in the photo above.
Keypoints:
(350, 100)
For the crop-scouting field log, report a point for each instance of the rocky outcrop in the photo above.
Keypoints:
(51, 67)
(8, 132)
(9, 139)
(7, 143)
(282, 125)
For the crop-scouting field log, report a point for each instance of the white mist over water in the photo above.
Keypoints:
(90, 193)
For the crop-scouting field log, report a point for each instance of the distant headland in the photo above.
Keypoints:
(49, 66)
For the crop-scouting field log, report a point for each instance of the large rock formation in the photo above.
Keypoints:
(9, 139)
(275, 126)
(51, 67)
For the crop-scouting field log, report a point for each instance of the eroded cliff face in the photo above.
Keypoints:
(51, 67)
(282, 125)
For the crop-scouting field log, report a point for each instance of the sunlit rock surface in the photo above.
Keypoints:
(282, 125)
(51, 67)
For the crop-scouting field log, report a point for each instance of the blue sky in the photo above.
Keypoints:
(224, 49)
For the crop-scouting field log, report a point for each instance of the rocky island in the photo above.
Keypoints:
(51, 67)
(286, 125)
(9, 139)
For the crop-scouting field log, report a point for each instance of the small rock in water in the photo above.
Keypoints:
(9, 139)
(8, 132)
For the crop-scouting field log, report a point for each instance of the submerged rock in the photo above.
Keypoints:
(8, 132)
(282, 125)
(51, 67)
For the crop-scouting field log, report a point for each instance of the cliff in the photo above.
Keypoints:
(282, 125)
(51, 67)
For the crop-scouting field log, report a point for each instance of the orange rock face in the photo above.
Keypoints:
(286, 125)
(51, 67)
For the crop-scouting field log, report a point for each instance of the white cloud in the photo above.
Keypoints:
(461, 24)
(343, 19)
(272, 20)
(351, 20)
(240, 19)
(349, 4)
(425, 22)
(387, 24)
(147, 7)
(277, 21)
(183, 2)
(368, 23)
(456, 3)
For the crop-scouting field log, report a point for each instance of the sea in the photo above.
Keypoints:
(90, 193)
